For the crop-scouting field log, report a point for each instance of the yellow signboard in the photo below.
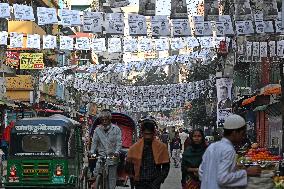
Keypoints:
(31, 61)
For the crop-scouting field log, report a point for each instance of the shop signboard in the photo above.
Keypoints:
(31, 61)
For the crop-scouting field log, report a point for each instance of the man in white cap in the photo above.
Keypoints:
(218, 168)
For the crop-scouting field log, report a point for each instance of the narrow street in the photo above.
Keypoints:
(172, 181)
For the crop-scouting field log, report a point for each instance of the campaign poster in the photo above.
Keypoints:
(242, 10)
(181, 27)
(147, 7)
(179, 9)
(137, 24)
(224, 96)
(114, 23)
(211, 10)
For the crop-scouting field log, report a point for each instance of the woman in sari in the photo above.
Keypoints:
(191, 159)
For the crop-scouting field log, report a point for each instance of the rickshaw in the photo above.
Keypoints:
(45, 152)
(129, 137)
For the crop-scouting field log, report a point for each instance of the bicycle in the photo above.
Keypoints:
(101, 181)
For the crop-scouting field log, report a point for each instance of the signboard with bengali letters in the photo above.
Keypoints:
(31, 61)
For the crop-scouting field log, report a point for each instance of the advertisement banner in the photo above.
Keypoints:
(224, 96)
(12, 59)
(31, 61)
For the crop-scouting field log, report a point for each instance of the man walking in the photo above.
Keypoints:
(148, 160)
(218, 169)
(107, 142)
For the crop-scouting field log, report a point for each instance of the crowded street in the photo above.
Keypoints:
(142, 94)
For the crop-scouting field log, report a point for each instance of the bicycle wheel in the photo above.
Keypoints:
(99, 182)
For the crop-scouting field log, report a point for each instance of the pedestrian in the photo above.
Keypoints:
(218, 168)
(183, 136)
(176, 145)
(148, 162)
(172, 132)
(165, 137)
(191, 159)
(107, 142)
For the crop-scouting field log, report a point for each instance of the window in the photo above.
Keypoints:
(36, 143)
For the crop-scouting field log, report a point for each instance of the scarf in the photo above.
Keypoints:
(135, 154)
(192, 157)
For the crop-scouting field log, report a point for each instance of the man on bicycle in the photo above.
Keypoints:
(107, 143)
(148, 159)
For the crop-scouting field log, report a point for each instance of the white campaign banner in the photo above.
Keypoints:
(49, 42)
(181, 27)
(224, 96)
(93, 22)
(98, 45)
(114, 23)
(160, 26)
(4, 10)
(137, 24)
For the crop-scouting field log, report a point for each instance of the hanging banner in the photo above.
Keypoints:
(130, 45)
(270, 11)
(66, 43)
(16, 40)
(65, 16)
(49, 42)
(160, 26)
(31, 61)
(242, 10)
(211, 10)
(4, 10)
(181, 27)
(147, 7)
(118, 3)
(114, 45)
(98, 45)
(224, 96)
(3, 37)
(162, 44)
(137, 24)
(93, 22)
(23, 12)
(12, 59)
(178, 9)
(114, 23)
(145, 45)
(33, 41)
(228, 25)
(82, 43)
(46, 16)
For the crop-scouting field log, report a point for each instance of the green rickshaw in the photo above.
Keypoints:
(45, 152)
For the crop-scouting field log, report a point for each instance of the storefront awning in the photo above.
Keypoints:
(248, 101)
(260, 108)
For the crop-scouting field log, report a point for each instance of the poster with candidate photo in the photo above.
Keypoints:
(160, 26)
(46, 16)
(66, 17)
(162, 44)
(3, 37)
(93, 22)
(137, 24)
(268, 27)
(33, 41)
(278, 26)
(49, 42)
(263, 49)
(75, 18)
(16, 40)
(270, 11)
(220, 28)
(114, 45)
(244, 27)
(228, 25)
(145, 44)
(192, 42)
(199, 28)
(224, 96)
(242, 10)
(207, 28)
(23, 12)
(178, 9)
(114, 23)
(130, 44)
(211, 10)
(98, 45)
(66, 43)
(4, 10)
(177, 43)
(259, 27)
(118, 3)
(181, 27)
(82, 43)
(147, 7)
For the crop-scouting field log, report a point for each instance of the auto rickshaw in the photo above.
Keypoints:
(129, 137)
(45, 152)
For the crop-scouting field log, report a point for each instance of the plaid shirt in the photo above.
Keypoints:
(148, 171)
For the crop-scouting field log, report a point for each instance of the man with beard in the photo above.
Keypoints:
(148, 161)
(107, 142)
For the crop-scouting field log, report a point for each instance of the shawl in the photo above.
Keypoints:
(192, 157)
(135, 153)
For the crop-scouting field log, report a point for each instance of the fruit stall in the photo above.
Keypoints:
(269, 164)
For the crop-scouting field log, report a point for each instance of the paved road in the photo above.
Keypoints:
(172, 181)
